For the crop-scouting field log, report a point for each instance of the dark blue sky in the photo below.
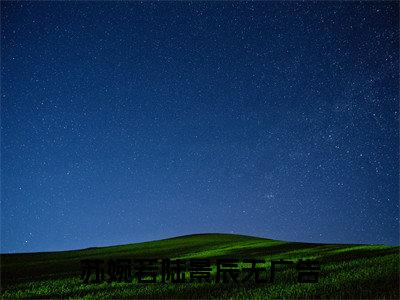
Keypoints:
(128, 122)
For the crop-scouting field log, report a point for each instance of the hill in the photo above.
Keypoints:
(347, 271)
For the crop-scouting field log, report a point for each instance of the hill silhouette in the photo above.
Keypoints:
(347, 271)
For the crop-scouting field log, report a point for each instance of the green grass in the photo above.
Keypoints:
(347, 271)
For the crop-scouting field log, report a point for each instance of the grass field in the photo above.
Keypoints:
(347, 271)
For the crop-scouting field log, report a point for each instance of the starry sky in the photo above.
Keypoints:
(128, 122)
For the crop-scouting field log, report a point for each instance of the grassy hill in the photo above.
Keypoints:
(347, 271)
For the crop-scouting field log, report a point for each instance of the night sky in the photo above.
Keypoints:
(129, 122)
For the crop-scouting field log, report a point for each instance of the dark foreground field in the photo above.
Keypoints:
(347, 271)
